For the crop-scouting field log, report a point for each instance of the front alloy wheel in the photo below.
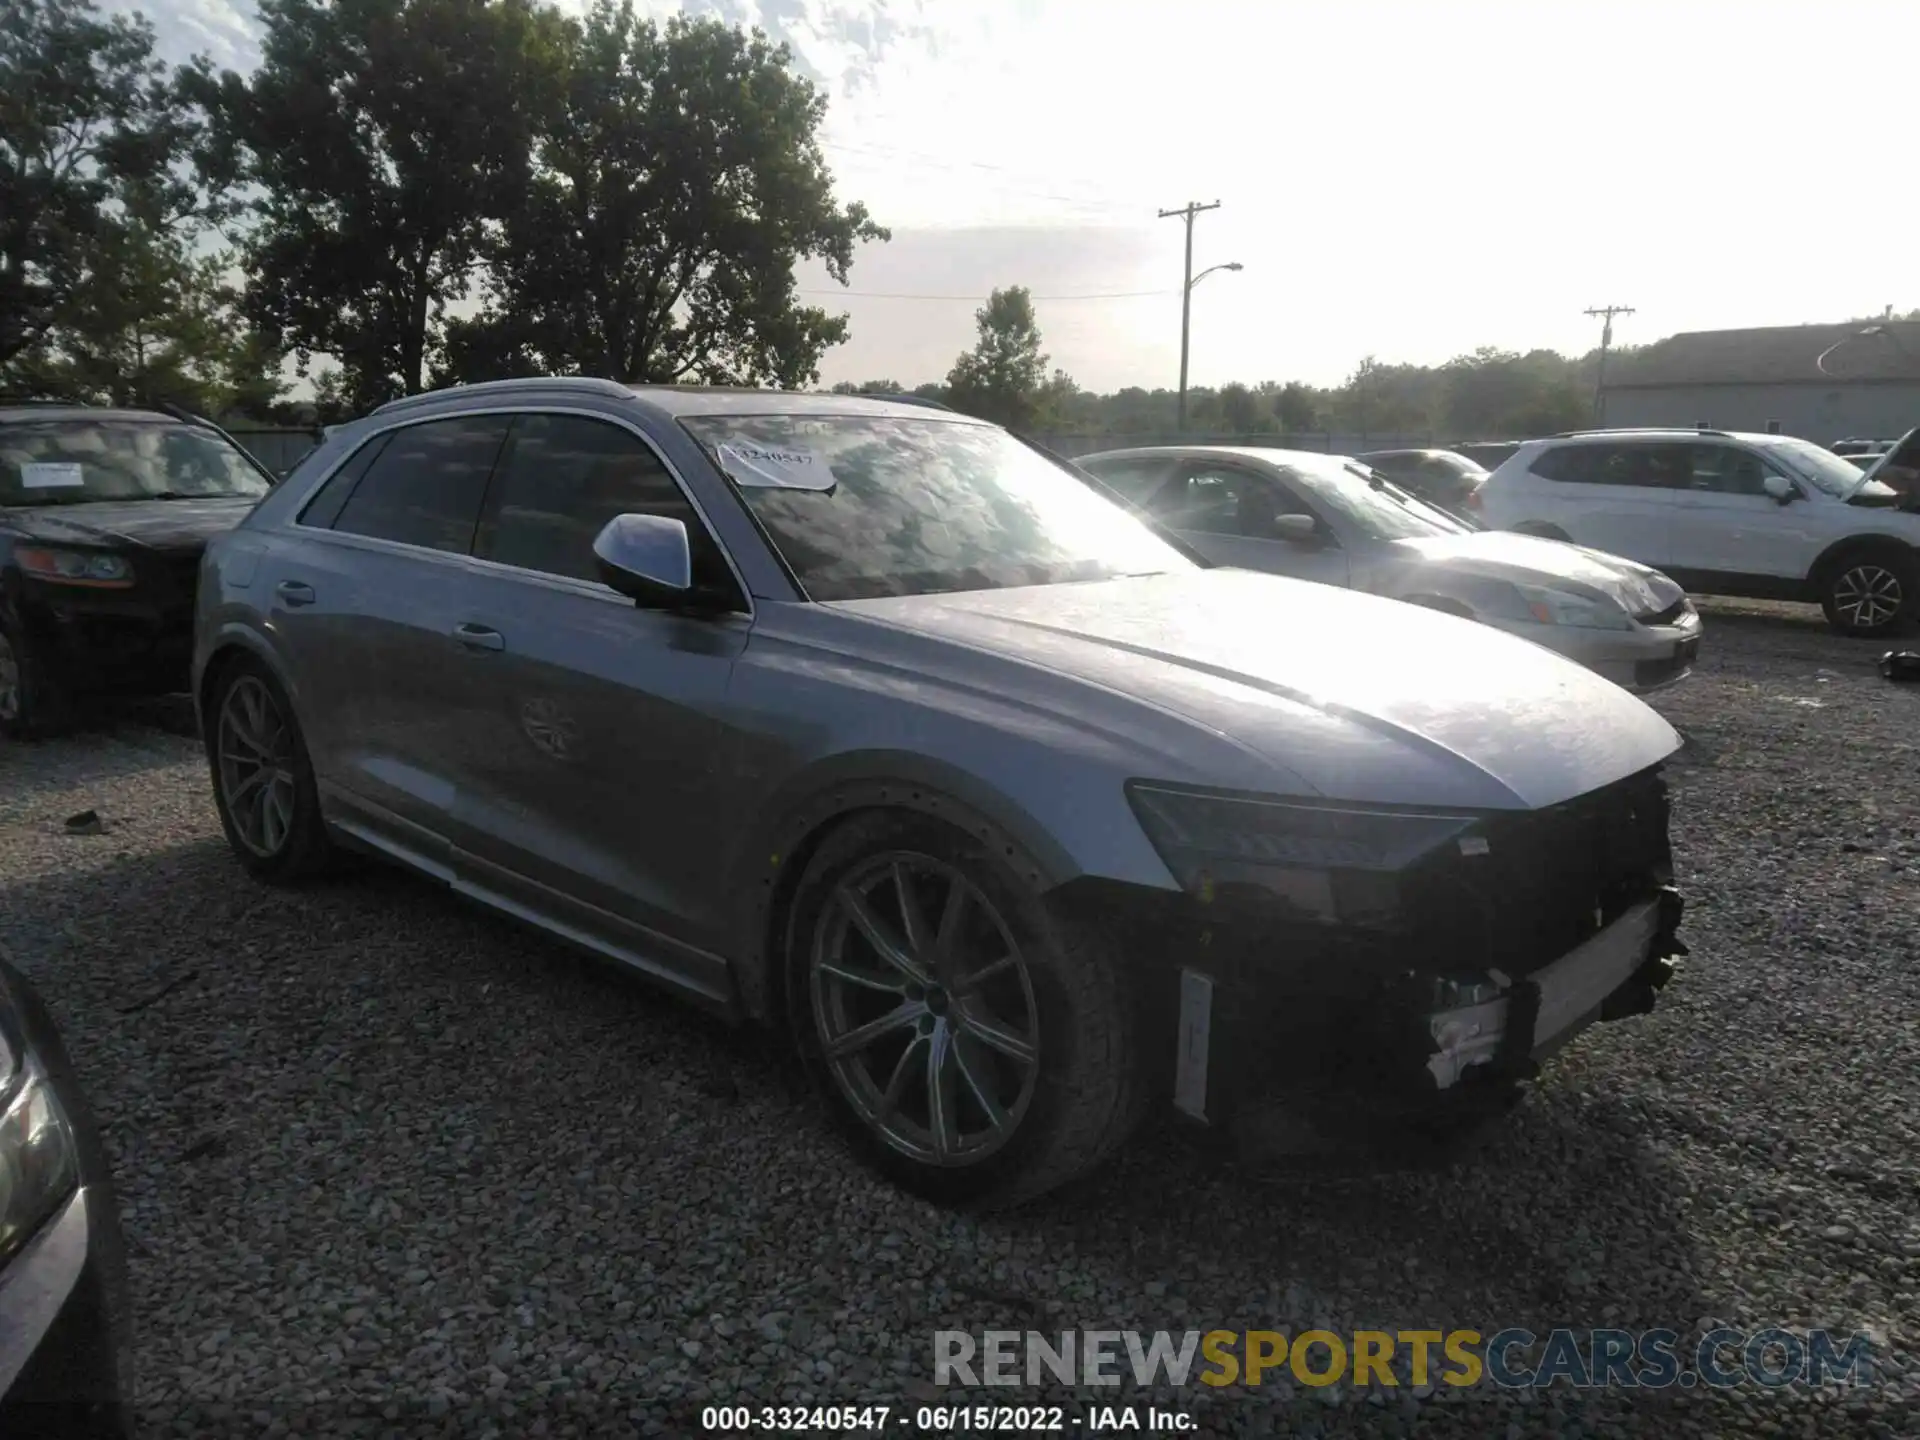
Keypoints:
(976, 1040)
(32, 703)
(1865, 598)
(925, 1011)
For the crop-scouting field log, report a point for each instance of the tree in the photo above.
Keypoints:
(379, 138)
(1296, 407)
(153, 321)
(1240, 410)
(680, 180)
(870, 387)
(1004, 377)
(87, 116)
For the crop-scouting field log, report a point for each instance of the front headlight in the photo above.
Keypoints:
(39, 1167)
(75, 567)
(1335, 862)
(1545, 605)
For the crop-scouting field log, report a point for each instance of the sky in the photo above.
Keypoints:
(1399, 178)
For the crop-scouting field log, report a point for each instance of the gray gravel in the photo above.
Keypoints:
(392, 1166)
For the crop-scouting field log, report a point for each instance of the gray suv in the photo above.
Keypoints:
(873, 724)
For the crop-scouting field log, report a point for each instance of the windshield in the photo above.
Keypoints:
(1370, 502)
(1818, 466)
(860, 506)
(75, 462)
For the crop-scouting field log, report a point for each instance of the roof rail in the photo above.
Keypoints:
(896, 397)
(1641, 430)
(590, 384)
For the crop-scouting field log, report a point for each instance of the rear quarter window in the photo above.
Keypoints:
(1569, 464)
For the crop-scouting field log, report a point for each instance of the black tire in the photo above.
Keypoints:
(295, 847)
(1083, 1097)
(1868, 592)
(33, 705)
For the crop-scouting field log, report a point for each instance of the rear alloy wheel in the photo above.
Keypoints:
(977, 1046)
(1867, 595)
(32, 704)
(262, 778)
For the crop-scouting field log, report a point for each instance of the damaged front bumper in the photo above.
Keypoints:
(1499, 948)
(1613, 975)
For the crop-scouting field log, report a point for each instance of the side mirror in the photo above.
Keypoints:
(646, 557)
(1779, 487)
(1297, 530)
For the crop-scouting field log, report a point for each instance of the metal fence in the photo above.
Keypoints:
(277, 449)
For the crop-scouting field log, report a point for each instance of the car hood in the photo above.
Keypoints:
(1346, 696)
(150, 524)
(1529, 559)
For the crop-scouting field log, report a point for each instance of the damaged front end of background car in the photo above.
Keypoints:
(1366, 970)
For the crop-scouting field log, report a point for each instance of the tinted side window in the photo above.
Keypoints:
(1570, 464)
(325, 506)
(561, 479)
(1218, 501)
(426, 486)
(1646, 467)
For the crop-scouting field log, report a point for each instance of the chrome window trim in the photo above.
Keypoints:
(592, 587)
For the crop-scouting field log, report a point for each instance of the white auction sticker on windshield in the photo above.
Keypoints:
(51, 477)
(776, 467)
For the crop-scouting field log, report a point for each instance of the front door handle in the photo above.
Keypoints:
(479, 637)
(295, 592)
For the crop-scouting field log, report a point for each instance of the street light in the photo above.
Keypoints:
(1186, 316)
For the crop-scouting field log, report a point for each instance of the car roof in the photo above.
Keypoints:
(11, 414)
(1262, 453)
(1656, 432)
(673, 402)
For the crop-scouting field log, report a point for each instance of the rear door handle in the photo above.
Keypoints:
(295, 592)
(479, 637)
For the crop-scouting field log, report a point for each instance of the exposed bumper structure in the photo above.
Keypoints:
(1504, 948)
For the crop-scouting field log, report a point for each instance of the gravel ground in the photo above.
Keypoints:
(392, 1166)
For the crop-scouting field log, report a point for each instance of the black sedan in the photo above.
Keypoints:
(103, 518)
(63, 1298)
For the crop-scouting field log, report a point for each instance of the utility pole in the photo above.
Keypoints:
(1186, 212)
(1606, 343)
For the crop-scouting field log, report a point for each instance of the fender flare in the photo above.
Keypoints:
(233, 639)
(771, 860)
(1818, 572)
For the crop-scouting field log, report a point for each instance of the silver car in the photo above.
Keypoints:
(873, 725)
(1336, 521)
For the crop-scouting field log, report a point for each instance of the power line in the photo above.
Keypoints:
(1606, 312)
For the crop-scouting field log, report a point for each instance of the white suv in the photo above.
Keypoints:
(1723, 513)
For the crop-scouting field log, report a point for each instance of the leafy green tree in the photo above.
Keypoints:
(1296, 407)
(379, 141)
(678, 182)
(1241, 412)
(870, 387)
(88, 117)
(153, 321)
(1004, 377)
